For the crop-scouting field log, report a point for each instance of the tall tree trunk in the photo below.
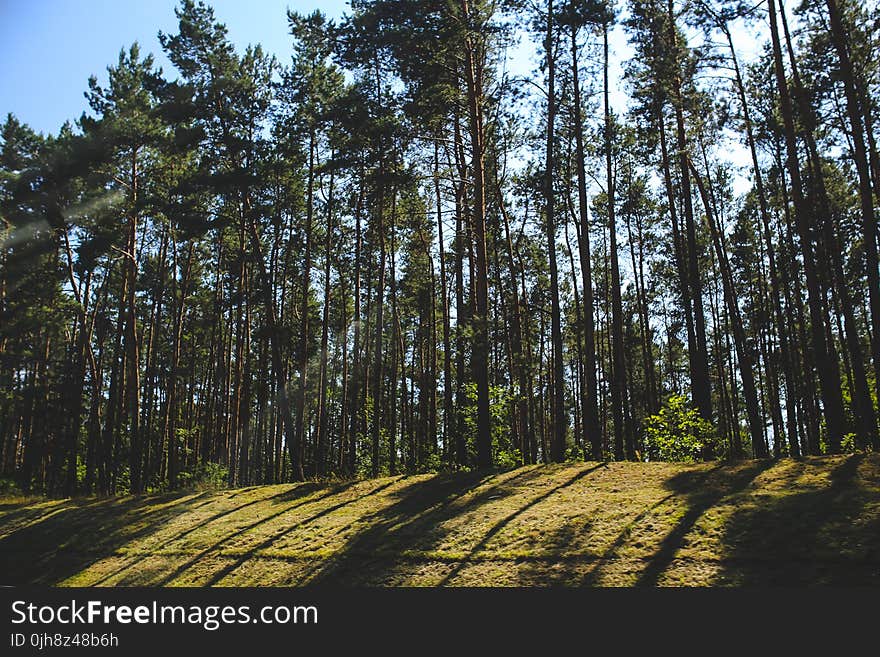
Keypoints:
(559, 420)
(357, 373)
(169, 428)
(578, 356)
(398, 357)
(869, 221)
(678, 248)
(342, 344)
(275, 335)
(444, 302)
(379, 331)
(519, 361)
(243, 411)
(829, 375)
(592, 430)
(700, 382)
(474, 69)
(790, 392)
(296, 453)
(152, 439)
(861, 396)
(131, 337)
(743, 354)
(321, 451)
(462, 307)
(638, 266)
(623, 439)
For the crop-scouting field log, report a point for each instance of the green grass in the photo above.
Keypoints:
(814, 521)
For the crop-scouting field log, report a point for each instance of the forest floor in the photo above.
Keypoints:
(813, 521)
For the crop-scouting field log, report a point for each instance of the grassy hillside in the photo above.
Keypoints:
(815, 521)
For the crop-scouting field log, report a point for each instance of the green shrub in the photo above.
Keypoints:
(205, 476)
(678, 433)
(8, 487)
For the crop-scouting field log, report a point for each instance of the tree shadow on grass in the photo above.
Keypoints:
(826, 536)
(305, 489)
(699, 499)
(287, 529)
(67, 538)
(699, 490)
(560, 568)
(53, 542)
(284, 496)
(298, 496)
(15, 515)
(400, 535)
(409, 525)
(501, 524)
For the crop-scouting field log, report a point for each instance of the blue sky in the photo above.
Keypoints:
(49, 48)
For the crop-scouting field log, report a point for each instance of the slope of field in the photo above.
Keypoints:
(815, 521)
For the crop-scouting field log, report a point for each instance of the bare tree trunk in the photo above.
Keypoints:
(869, 220)
(700, 382)
(169, 427)
(357, 373)
(444, 302)
(623, 438)
(591, 428)
(398, 357)
(790, 392)
(474, 68)
(559, 420)
(321, 451)
(684, 284)
(743, 355)
(296, 447)
(829, 375)
(131, 338)
(378, 330)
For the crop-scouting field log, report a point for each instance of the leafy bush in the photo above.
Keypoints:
(205, 476)
(8, 487)
(677, 433)
(504, 453)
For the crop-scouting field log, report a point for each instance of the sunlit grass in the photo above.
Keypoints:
(617, 524)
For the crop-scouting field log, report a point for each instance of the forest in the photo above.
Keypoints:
(389, 253)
